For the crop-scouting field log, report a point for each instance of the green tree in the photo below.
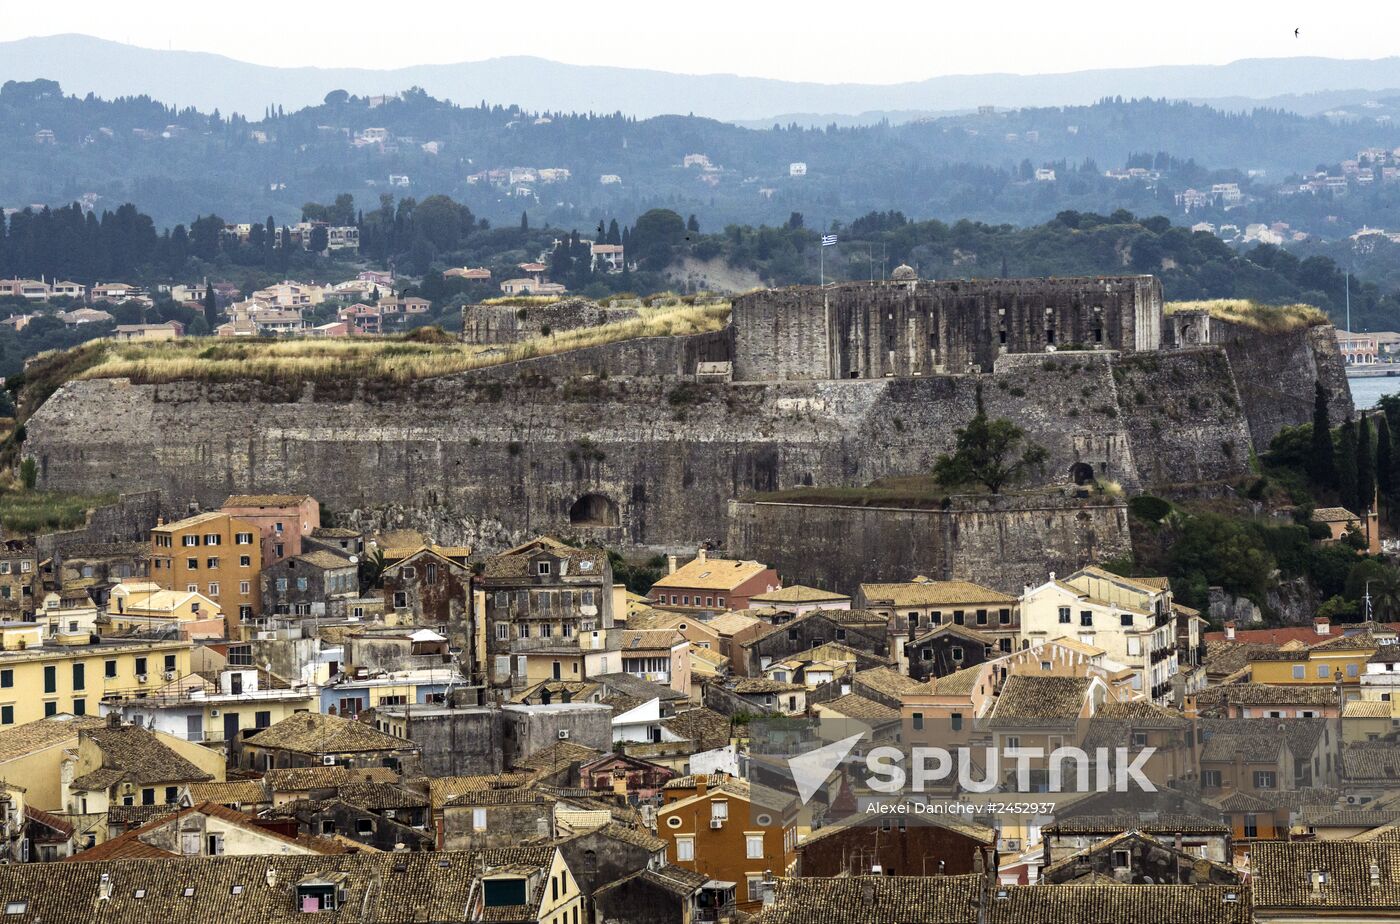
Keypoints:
(444, 222)
(371, 569)
(692, 225)
(211, 306)
(992, 453)
(1365, 467)
(1322, 465)
(1224, 553)
(1385, 461)
(655, 236)
(320, 239)
(1385, 594)
(524, 221)
(28, 473)
(1346, 466)
(1339, 609)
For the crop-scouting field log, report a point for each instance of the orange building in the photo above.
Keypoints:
(213, 554)
(711, 826)
(712, 585)
(282, 520)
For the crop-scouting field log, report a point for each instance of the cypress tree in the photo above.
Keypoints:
(1385, 459)
(1322, 466)
(1346, 466)
(1365, 467)
(211, 307)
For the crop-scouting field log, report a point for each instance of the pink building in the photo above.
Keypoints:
(282, 519)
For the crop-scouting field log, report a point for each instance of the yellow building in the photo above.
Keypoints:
(119, 764)
(33, 753)
(1342, 659)
(71, 673)
(143, 606)
(214, 554)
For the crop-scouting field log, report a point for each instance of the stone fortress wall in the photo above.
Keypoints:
(510, 323)
(621, 444)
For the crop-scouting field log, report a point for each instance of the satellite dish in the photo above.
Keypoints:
(354, 559)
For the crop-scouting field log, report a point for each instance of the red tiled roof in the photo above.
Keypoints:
(1284, 634)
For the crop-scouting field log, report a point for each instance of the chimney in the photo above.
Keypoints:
(700, 554)
(1230, 630)
(670, 564)
(701, 784)
(271, 877)
(114, 720)
(1322, 625)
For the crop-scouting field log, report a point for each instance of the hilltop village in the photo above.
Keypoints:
(380, 645)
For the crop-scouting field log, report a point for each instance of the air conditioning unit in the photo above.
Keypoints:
(563, 734)
(716, 823)
(213, 713)
(328, 760)
(169, 675)
(141, 678)
(1013, 844)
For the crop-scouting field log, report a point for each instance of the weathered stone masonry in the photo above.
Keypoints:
(492, 457)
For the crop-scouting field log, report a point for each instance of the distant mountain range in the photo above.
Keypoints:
(83, 64)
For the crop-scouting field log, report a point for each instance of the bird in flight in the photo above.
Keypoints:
(1295, 33)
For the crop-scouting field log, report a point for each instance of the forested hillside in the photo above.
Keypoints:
(176, 163)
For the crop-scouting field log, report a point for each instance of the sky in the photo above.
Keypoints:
(871, 41)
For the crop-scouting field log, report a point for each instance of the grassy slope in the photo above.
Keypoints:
(399, 359)
(1270, 318)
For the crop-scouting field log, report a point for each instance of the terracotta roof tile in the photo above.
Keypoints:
(315, 733)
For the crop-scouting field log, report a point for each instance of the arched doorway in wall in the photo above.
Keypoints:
(1081, 473)
(594, 510)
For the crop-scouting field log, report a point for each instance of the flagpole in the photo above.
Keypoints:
(821, 256)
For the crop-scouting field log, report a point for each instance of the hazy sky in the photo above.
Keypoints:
(870, 41)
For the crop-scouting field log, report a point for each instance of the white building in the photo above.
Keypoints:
(797, 168)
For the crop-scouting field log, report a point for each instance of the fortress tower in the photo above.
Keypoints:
(908, 327)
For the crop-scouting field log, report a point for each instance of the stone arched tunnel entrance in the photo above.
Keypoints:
(594, 510)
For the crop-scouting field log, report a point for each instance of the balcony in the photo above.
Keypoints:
(554, 644)
(716, 915)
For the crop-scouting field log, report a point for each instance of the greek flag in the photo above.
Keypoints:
(828, 240)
